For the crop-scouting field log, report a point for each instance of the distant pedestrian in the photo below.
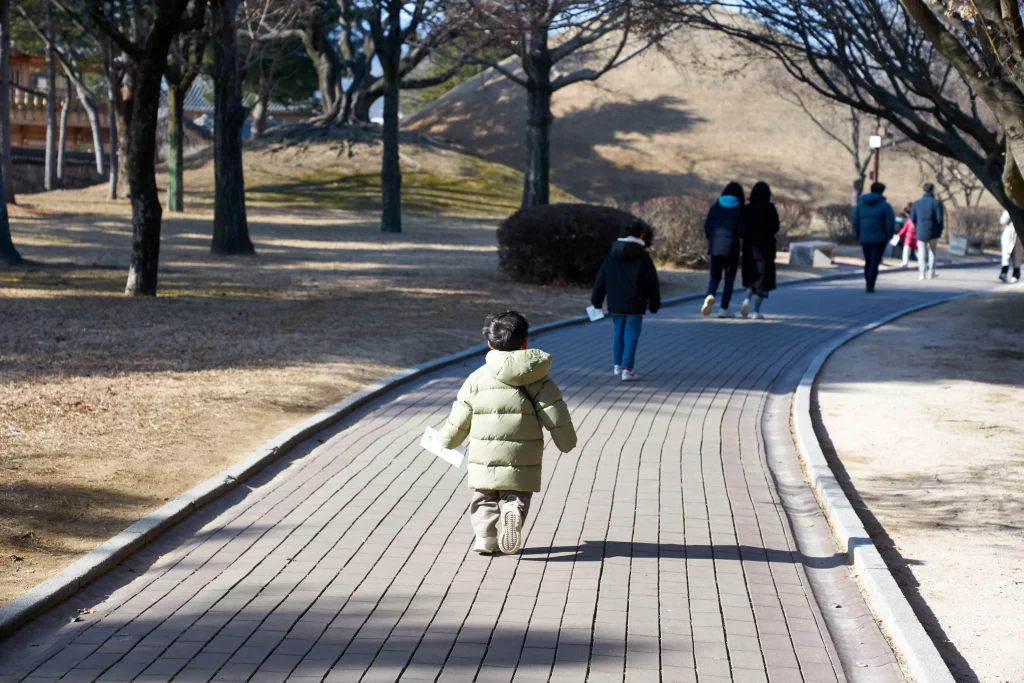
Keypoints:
(874, 223)
(630, 281)
(761, 223)
(724, 228)
(929, 221)
(502, 408)
(1012, 250)
(907, 233)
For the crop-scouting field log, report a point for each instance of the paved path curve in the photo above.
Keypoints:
(677, 543)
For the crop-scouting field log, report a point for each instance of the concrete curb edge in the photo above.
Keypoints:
(886, 599)
(109, 554)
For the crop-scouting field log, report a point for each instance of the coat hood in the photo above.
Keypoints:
(871, 199)
(627, 248)
(519, 368)
(761, 193)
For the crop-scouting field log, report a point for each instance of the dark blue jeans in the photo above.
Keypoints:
(723, 265)
(627, 334)
(873, 253)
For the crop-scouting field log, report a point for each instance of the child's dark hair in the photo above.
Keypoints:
(506, 331)
(637, 228)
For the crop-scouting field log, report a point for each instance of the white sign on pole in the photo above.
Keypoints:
(876, 142)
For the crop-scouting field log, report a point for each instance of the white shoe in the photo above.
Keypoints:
(628, 376)
(921, 276)
(758, 316)
(1014, 280)
(709, 304)
(510, 540)
(932, 275)
(616, 370)
(726, 313)
(745, 308)
(904, 265)
(486, 546)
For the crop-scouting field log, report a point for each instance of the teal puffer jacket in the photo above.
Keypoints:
(501, 408)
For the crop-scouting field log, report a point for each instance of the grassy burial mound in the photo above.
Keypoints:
(691, 115)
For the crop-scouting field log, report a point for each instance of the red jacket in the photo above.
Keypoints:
(909, 234)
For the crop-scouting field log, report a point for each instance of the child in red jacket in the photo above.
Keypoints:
(908, 233)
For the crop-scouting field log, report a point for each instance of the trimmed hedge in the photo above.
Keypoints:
(559, 243)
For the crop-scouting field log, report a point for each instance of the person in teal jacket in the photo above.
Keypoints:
(874, 223)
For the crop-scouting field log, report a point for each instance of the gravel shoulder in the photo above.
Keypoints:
(922, 420)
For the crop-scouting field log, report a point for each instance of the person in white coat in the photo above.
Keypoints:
(1013, 250)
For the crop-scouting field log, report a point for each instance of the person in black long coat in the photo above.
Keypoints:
(761, 221)
(724, 229)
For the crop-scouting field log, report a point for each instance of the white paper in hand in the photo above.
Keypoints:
(894, 241)
(432, 442)
(594, 314)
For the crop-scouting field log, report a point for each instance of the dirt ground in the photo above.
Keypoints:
(110, 406)
(924, 415)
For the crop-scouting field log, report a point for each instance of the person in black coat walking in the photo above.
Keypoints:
(630, 281)
(761, 222)
(724, 228)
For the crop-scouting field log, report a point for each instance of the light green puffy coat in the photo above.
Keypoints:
(506, 442)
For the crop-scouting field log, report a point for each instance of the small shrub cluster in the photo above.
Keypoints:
(976, 221)
(838, 219)
(559, 243)
(678, 222)
(794, 219)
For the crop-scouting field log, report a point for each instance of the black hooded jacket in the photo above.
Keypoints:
(629, 280)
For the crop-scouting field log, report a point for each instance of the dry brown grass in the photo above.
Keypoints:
(110, 406)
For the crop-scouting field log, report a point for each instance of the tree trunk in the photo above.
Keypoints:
(261, 110)
(62, 141)
(146, 211)
(230, 227)
(391, 168)
(175, 145)
(115, 153)
(50, 174)
(858, 189)
(97, 130)
(536, 190)
(5, 103)
(9, 255)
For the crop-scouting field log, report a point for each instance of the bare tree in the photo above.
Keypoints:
(50, 171)
(870, 55)
(558, 43)
(183, 68)
(955, 181)
(984, 41)
(156, 24)
(5, 106)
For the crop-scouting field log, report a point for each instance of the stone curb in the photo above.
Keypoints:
(884, 595)
(109, 554)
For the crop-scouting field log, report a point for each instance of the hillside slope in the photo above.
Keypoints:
(692, 114)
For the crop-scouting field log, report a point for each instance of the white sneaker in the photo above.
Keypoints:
(616, 370)
(726, 313)
(510, 540)
(1014, 280)
(921, 276)
(932, 275)
(709, 304)
(628, 376)
(758, 316)
(486, 546)
(745, 308)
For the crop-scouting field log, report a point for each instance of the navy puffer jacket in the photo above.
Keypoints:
(874, 221)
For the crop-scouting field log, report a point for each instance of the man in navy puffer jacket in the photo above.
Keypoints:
(874, 223)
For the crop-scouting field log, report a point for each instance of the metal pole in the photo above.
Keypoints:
(878, 154)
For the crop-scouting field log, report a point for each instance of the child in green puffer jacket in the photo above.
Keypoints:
(501, 408)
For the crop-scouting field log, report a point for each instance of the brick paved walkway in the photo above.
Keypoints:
(677, 543)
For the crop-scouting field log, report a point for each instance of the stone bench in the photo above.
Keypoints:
(965, 246)
(815, 254)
